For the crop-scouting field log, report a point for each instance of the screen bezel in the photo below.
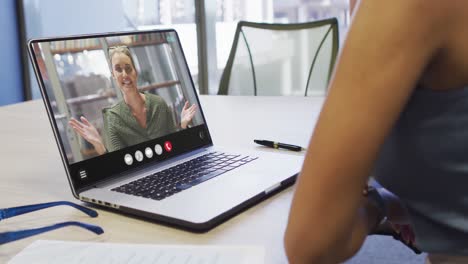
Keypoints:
(110, 172)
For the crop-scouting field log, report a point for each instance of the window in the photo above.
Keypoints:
(47, 18)
(229, 12)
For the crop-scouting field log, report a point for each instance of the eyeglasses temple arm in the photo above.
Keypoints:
(14, 211)
(16, 235)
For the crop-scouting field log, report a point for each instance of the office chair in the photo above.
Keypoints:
(281, 59)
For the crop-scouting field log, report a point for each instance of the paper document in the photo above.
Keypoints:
(49, 251)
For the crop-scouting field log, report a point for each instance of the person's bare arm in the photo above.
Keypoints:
(388, 47)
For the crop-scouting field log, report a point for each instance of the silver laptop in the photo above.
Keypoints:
(132, 134)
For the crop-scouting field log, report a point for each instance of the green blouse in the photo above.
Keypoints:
(121, 129)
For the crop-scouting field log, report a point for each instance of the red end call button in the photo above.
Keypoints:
(168, 146)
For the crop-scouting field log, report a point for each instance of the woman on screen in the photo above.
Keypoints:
(397, 110)
(138, 118)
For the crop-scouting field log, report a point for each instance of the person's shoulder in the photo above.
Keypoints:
(116, 106)
(436, 11)
(426, 21)
(156, 100)
(113, 110)
(154, 97)
(420, 10)
(437, 20)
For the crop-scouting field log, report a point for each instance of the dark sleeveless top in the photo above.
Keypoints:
(425, 162)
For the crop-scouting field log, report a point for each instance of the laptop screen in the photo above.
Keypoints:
(118, 101)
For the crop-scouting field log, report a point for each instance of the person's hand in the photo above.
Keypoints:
(187, 114)
(396, 210)
(397, 216)
(89, 133)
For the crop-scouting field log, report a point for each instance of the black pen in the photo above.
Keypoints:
(278, 145)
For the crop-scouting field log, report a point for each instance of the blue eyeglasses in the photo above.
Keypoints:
(7, 237)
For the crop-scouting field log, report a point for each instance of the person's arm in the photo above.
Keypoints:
(388, 47)
(111, 130)
(115, 143)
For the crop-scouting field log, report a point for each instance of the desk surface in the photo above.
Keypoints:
(32, 172)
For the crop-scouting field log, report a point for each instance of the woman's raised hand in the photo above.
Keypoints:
(89, 133)
(187, 114)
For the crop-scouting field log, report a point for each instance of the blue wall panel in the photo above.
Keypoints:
(11, 84)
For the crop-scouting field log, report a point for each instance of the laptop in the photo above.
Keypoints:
(165, 168)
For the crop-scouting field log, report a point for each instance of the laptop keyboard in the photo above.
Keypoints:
(165, 183)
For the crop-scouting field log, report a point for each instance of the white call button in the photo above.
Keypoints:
(138, 155)
(158, 149)
(149, 153)
(128, 159)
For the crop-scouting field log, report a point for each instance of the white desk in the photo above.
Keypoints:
(32, 172)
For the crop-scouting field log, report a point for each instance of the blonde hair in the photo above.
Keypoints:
(120, 49)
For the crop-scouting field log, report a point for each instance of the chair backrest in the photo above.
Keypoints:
(281, 59)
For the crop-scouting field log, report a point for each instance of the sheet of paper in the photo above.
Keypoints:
(50, 251)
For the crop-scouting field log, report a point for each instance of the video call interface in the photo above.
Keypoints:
(110, 93)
